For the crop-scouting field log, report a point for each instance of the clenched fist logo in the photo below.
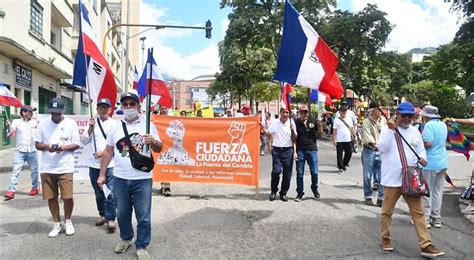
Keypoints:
(236, 131)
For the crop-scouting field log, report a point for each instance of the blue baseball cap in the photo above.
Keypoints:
(104, 101)
(406, 108)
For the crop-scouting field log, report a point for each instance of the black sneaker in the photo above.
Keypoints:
(317, 196)
(369, 202)
(299, 198)
(283, 198)
(379, 203)
(167, 192)
(272, 196)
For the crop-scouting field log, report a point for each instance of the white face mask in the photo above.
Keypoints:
(130, 113)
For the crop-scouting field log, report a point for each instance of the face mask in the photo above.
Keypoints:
(130, 113)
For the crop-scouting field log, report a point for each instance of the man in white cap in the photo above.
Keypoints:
(96, 135)
(24, 129)
(434, 136)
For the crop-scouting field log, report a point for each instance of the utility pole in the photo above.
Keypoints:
(127, 34)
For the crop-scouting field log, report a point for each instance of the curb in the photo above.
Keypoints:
(8, 169)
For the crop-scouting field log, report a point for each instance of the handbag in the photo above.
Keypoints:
(468, 193)
(139, 162)
(413, 182)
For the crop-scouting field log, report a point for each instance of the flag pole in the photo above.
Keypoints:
(87, 81)
(148, 96)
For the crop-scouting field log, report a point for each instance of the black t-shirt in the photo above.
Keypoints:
(307, 135)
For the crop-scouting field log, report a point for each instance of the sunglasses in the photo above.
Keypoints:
(129, 104)
(406, 116)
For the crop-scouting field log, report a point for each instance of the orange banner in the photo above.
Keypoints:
(208, 150)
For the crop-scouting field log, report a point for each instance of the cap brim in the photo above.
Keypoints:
(122, 99)
(406, 112)
(55, 110)
(103, 103)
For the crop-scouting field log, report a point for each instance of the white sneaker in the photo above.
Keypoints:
(468, 210)
(69, 227)
(56, 230)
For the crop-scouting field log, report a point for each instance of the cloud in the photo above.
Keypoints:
(426, 24)
(170, 61)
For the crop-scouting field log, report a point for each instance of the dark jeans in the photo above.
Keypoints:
(282, 159)
(105, 206)
(346, 148)
(129, 195)
(312, 158)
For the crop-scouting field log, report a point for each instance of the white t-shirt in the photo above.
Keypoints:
(281, 133)
(100, 143)
(116, 138)
(66, 132)
(349, 114)
(25, 132)
(343, 134)
(391, 164)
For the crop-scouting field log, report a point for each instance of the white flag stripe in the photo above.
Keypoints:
(311, 73)
(95, 78)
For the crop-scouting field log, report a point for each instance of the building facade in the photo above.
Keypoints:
(38, 44)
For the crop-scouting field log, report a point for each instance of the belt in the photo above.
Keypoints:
(370, 147)
(282, 148)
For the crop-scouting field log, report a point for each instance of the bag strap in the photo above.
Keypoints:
(404, 140)
(127, 140)
(101, 129)
(346, 124)
(401, 151)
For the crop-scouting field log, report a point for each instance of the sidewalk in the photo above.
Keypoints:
(6, 161)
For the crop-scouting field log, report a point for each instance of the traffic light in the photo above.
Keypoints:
(208, 29)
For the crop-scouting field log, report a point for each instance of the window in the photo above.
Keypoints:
(36, 19)
(53, 39)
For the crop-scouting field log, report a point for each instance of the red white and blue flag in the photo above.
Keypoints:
(7, 98)
(97, 75)
(158, 84)
(286, 89)
(136, 78)
(304, 58)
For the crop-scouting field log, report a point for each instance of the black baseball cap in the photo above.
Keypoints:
(104, 101)
(56, 105)
(129, 95)
(27, 109)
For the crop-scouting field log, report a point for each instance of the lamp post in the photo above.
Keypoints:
(142, 39)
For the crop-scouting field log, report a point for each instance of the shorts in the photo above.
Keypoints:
(51, 182)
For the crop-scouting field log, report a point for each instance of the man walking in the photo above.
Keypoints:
(96, 135)
(283, 133)
(308, 131)
(392, 177)
(24, 129)
(57, 138)
(434, 136)
(132, 187)
(371, 160)
(343, 131)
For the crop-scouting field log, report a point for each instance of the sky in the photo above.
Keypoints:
(185, 53)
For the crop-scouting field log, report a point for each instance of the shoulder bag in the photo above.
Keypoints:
(413, 182)
(139, 162)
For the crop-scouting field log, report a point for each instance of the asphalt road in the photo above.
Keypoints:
(224, 221)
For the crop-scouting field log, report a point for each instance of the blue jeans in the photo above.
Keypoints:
(282, 160)
(371, 166)
(129, 195)
(312, 158)
(19, 159)
(105, 206)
